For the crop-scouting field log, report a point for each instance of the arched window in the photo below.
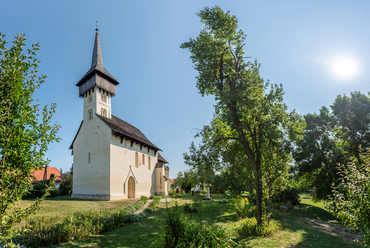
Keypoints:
(136, 160)
(103, 97)
(148, 162)
(143, 159)
(103, 112)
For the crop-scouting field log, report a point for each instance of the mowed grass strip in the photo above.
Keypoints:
(62, 206)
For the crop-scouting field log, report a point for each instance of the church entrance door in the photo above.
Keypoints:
(131, 187)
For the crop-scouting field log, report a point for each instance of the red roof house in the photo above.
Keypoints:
(38, 175)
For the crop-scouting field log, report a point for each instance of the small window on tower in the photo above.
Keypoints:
(104, 112)
(148, 162)
(143, 159)
(90, 98)
(88, 157)
(103, 97)
(90, 114)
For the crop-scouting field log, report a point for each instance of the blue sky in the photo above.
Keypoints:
(296, 42)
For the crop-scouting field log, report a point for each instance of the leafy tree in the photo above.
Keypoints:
(351, 195)
(186, 180)
(319, 152)
(258, 119)
(25, 131)
(353, 118)
(67, 180)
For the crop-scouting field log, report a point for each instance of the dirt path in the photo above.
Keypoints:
(340, 230)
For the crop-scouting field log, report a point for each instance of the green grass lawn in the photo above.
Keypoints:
(61, 206)
(296, 232)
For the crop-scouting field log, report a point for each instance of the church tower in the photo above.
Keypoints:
(97, 86)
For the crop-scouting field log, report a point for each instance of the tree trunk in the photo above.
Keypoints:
(256, 166)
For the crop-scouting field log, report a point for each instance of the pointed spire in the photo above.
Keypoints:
(97, 68)
(97, 59)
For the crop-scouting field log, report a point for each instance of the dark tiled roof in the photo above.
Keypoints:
(126, 130)
(161, 159)
(97, 65)
(159, 165)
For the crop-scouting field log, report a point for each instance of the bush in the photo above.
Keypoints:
(289, 196)
(144, 199)
(148, 211)
(134, 207)
(65, 192)
(179, 232)
(191, 207)
(155, 203)
(45, 233)
(204, 192)
(243, 208)
(34, 194)
(351, 196)
(39, 186)
(248, 226)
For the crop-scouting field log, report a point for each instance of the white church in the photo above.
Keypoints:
(112, 159)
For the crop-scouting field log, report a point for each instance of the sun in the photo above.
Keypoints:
(344, 68)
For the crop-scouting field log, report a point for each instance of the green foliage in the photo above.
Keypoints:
(144, 199)
(251, 122)
(44, 233)
(289, 196)
(191, 207)
(243, 207)
(331, 138)
(67, 181)
(134, 207)
(25, 131)
(179, 232)
(352, 114)
(155, 203)
(186, 180)
(318, 153)
(249, 227)
(351, 196)
(148, 211)
(39, 186)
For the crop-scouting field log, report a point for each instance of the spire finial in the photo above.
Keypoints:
(96, 29)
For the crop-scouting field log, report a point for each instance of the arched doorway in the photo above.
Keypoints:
(131, 187)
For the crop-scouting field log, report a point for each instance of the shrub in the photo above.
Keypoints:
(351, 196)
(39, 186)
(248, 226)
(191, 207)
(144, 199)
(179, 232)
(134, 207)
(243, 208)
(155, 203)
(65, 192)
(204, 192)
(45, 233)
(148, 211)
(289, 196)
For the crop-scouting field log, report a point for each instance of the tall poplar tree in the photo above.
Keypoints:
(258, 116)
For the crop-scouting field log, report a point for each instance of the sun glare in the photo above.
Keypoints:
(344, 68)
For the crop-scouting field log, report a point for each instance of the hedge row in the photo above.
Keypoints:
(46, 232)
